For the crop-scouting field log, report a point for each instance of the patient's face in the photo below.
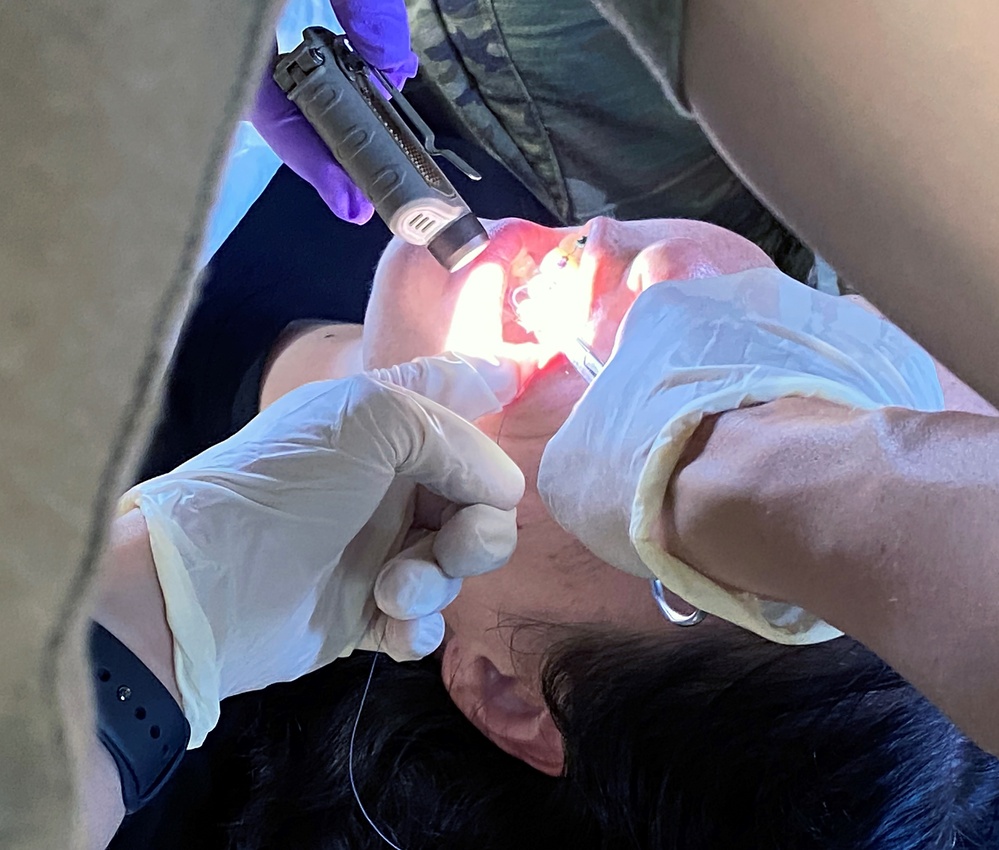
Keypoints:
(417, 309)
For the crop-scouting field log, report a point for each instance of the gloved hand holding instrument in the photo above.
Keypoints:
(378, 31)
(333, 111)
(691, 349)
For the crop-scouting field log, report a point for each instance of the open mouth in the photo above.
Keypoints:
(549, 298)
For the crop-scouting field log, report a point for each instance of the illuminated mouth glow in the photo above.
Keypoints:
(552, 303)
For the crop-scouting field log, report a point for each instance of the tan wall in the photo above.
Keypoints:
(112, 118)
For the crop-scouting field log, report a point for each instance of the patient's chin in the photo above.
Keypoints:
(548, 399)
(491, 425)
(524, 427)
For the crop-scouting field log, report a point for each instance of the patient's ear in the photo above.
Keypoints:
(509, 712)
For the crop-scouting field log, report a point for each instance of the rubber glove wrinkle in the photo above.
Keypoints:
(268, 546)
(689, 349)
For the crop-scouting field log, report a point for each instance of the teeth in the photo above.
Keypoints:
(523, 266)
(545, 300)
(569, 249)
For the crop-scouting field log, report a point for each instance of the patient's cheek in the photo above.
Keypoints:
(686, 258)
(491, 425)
(405, 316)
(672, 259)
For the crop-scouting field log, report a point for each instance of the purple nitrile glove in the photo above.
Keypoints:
(379, 31)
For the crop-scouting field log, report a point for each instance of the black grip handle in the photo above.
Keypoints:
(377, 149)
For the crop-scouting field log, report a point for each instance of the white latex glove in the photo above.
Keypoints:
(282, 548)
(693, 348)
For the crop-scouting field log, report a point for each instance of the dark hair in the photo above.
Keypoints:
(723, 740)
(731, 741)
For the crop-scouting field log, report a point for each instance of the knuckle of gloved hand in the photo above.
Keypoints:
(410, 588)
(395, 418)
(551, 469)
(379, 31)
(372, 408)
(566, 493)
(410, 640)
(477, 539)
(468, 386)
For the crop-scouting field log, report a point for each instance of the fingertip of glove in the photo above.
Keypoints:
(410, 640)
(410, 588)
(398, 72)
(477, 539)
(502, 376)
(362, 214)
(496, 483)
(344, 198)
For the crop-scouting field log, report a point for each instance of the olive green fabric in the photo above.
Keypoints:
(557, 94)
(654, 29)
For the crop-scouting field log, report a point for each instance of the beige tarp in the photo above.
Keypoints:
(113, 117)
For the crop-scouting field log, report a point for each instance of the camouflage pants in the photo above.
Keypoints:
(557, 95)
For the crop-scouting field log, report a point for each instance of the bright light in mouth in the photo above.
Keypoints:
(553, 302)
(477, 319)
(549, 300)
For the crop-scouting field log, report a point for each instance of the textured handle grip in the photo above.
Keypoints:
(379, 152)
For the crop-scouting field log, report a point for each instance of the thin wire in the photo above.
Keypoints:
(350, 755)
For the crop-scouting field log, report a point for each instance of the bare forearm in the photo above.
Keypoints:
(884, 523)
(129, 604)
(862, 122)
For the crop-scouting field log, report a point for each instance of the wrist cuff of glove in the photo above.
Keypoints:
(776, 621)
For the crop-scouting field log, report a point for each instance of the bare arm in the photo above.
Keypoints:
(129, 604)
(883, 522)
(957, 394)
(871, 127)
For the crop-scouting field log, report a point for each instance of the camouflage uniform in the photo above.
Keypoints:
(558, 96)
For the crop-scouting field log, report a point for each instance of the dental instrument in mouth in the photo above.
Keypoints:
(583, 360)
(543, 305)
